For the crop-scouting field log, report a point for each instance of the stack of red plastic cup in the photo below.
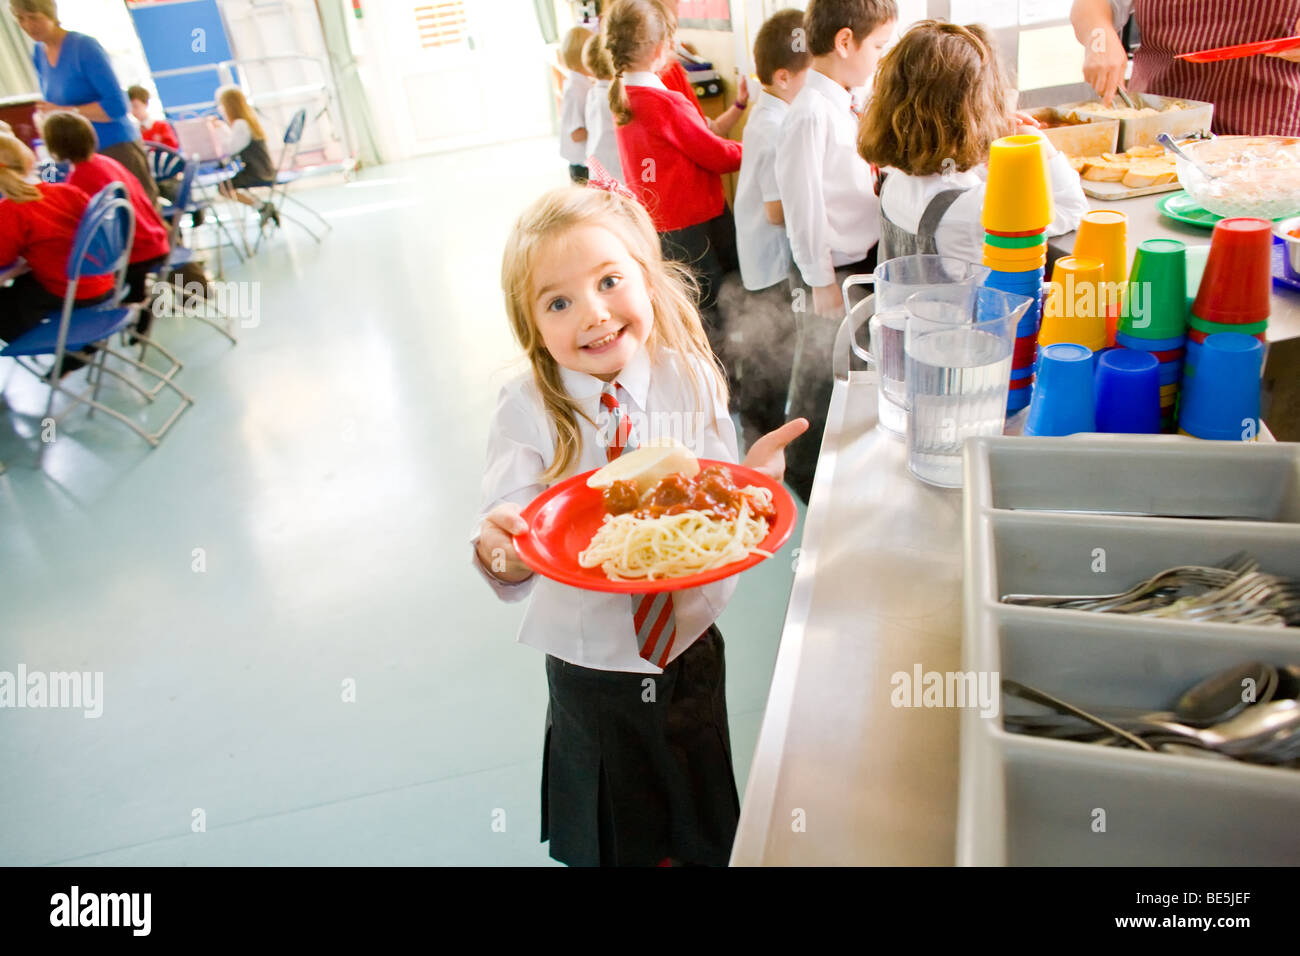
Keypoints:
(1235, 291)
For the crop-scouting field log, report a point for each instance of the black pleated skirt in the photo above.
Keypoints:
(637, 767)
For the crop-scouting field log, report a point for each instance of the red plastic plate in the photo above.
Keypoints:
(1241, 50)
(562, 520)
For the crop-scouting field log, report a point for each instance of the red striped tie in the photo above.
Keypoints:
(652, 614)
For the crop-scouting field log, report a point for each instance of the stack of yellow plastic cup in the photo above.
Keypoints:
(1103, 234)
(1075, 311)
(1017, 211)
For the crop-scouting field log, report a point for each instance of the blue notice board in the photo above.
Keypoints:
(179, 35)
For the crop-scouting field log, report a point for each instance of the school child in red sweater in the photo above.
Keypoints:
(672, 161)
(38, 223)
(70, 138)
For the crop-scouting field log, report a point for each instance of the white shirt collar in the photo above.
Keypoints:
(644, 78)
(767, 101)
(840, 98)
(634, 379)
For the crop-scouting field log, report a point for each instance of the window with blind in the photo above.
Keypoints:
(440, 25)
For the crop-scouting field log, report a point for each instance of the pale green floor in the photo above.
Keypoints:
(329, 471)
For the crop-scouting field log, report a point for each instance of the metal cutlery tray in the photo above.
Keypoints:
(1073, 516)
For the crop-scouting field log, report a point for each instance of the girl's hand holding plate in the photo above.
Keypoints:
(496, 546)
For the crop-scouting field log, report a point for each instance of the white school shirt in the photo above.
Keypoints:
(601, 141)
(592, 628)
(235, 138)
(573, 108)
(960, 235)
(763, 249)
(832, 216)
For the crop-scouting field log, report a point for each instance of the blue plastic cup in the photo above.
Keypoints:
(1128, 392)
(1149, 345)
(1063, 400)
(1171, 373)
(1189, 360)
(1022, 283)
(1221, 401)
(1018, 398)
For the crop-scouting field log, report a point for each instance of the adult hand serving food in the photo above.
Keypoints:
(1258, 95)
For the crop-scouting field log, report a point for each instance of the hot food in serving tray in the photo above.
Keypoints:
(655, 519)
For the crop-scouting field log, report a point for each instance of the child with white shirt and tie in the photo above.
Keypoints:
(573, 103)
(828, 195)
(766, 323)
(628, 778)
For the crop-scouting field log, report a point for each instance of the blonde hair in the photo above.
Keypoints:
(571, 47)
(632, 29)
(16, 162)
(596, 60)
(232, 102)
(672, 290)
(45, 8)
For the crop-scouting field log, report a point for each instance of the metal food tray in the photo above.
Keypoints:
(1036, 512)
(1193, 120)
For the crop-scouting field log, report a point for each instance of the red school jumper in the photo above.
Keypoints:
(98, 171)
(683, 185)
(41, 231)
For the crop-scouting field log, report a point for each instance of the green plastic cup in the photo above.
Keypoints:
(1014, 242)
(1155, 300)
(1210, 328)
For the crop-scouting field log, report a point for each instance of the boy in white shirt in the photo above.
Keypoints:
(828, 195)
(602, 143)
(573, 105)
(781, 60)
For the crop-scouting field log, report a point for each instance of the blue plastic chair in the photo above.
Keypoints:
(166, 163)
(54, 172)
(285, 175)
(182, 256)
(102, 246)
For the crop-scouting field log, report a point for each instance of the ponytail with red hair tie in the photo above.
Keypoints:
(598, 177)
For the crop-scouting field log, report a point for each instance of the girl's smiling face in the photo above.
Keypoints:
(590, 301)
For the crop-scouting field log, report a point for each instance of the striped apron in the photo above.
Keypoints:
(1258, 95)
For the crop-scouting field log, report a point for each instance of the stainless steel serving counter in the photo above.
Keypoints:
(840, 776)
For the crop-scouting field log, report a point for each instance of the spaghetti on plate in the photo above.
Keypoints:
(682, 526)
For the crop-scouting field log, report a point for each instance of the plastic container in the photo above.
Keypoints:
(1221, 399)
(1074, 310)
(1128, 392)
(1237, 283)
(1064, 400)
(1244, 328)
(1155, 301)
(1194, 117)
(1017, 197)
(1290, 247)
(1103, 235)
(1030, 801)
(1015, 242)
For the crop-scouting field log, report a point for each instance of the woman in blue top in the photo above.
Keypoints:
(76, 75)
